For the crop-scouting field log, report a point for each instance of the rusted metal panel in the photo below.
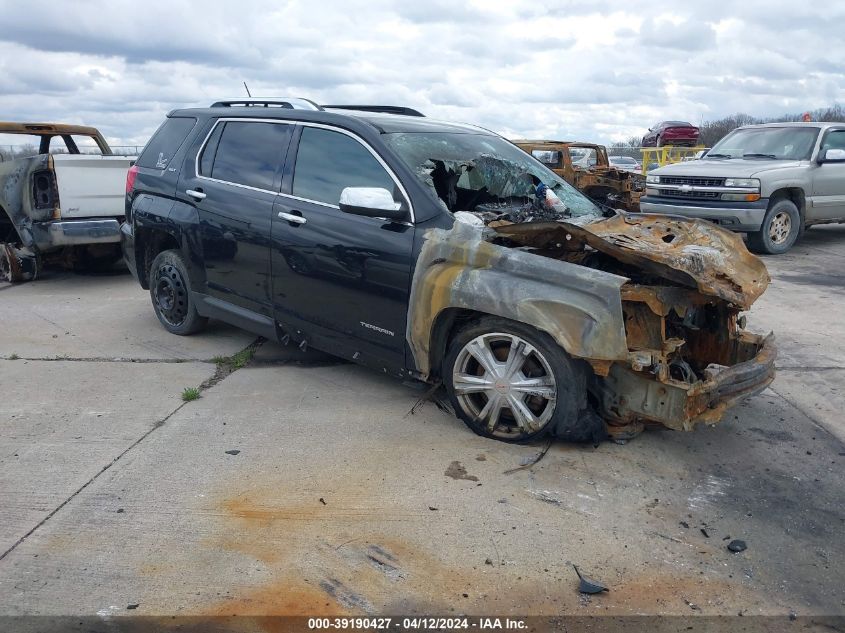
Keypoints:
(693, 253)
(56, 129)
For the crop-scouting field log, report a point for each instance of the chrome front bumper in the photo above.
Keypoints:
(745, 219)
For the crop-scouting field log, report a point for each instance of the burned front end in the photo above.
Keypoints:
(650, 304)
(688, 355)
(688, 360)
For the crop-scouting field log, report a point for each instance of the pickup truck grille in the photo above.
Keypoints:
(699, 195)
(692, 180)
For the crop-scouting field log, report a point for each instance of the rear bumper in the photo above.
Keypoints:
(48, 235)
(738, 216)
(630, 396)
(127, 246)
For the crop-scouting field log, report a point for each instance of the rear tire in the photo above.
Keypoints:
(510, 382)
(779, 231)
(170, 291)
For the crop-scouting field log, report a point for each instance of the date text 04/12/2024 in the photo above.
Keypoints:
(417, 623)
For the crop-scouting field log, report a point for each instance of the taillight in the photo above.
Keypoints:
(130, 178)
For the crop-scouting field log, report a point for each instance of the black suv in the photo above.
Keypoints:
(396, 241)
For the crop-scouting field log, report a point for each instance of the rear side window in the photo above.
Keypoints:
(247, 153)
(327, 162)
(166, 142)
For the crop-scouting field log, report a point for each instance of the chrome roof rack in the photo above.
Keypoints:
(295, 103)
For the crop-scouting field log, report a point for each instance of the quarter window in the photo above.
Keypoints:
(327, 162)
(248, 153)
(165, 142)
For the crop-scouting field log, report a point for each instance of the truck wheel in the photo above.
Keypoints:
(779, 230)
(509, 382)
(10, 265)
(170, 292)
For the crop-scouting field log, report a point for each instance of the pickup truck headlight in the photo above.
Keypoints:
(742, 182)
(653, 180)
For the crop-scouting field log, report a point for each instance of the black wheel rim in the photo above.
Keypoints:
(170, 295)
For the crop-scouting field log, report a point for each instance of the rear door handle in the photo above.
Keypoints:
(290, 217)
(196, 195)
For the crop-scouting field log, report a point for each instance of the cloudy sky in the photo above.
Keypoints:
(599, 71)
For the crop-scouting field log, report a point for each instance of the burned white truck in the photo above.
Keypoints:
(57, 200)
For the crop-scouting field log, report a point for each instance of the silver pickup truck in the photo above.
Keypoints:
(56, 199)
(770, 181)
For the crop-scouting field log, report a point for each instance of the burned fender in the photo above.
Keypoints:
(577, 306)
(691, 252)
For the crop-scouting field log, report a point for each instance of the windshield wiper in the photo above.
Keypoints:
(754, 155)
(718, 156)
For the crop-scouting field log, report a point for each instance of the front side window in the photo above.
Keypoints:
(834, 140)
(248, 153)
(327, 162)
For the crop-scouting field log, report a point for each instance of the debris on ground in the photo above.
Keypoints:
(232, 452)
(684, 524)
(737, 545)
(692, 605)
(323, 501)
(532, 461)
(435, 395)
(704, 532)
(587, 585)
(133, 606)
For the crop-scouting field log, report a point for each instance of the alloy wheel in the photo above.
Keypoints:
(506, 384)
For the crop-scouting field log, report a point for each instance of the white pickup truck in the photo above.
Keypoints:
(770, 181)
(57, 202)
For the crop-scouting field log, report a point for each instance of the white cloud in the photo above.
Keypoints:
(569, 70)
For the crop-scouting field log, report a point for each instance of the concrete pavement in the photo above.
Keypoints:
(304, 485)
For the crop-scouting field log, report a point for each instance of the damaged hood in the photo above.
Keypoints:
(687, 251)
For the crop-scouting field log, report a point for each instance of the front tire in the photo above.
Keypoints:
(781, 227)
(170, 291)
(509, 382)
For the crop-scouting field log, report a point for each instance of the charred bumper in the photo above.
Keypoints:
(629, 396)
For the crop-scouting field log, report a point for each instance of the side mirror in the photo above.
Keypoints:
(831, 156)
(371, 202)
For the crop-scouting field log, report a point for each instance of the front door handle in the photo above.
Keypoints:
(195, 194)
(290, 217)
